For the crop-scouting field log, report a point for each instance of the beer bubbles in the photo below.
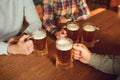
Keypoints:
(40, 42)
(64, 53)
(73, 31)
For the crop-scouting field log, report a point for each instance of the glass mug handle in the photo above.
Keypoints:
(97, 40)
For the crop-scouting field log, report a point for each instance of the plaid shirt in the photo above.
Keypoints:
(54, 10)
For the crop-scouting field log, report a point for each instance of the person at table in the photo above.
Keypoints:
(63, 11)
(105, 63)
(12, 13)
(114, 4)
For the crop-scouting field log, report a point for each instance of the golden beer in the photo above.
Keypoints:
(88, 37)
(40, 42)
(73, 31)
(64, 53)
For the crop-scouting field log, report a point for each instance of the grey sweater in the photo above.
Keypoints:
(108, 64)
(12, 13)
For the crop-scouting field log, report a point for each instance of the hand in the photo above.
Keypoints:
(64, 20)
(84, 17)
(14, 39)
(81, 53)
(61, 34)
(23, 46)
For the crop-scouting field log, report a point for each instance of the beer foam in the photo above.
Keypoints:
(64, 44)
(38, 34)
(72, 27)
(89, 28)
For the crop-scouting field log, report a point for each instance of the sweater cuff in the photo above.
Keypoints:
(3, 48)
(94, 60)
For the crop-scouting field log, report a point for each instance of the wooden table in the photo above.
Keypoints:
(32, 67)
(109, 24)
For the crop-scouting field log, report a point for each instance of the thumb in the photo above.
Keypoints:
(80, 47)
(83, 60)
(23, 37)
(63, 31)
(77, 46)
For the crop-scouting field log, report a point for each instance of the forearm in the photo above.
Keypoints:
(32, 27)
(51, 29)
(48, 19)
(84, 11)
(82, 17)
(106, 63)
(3, 48)
(32, 17)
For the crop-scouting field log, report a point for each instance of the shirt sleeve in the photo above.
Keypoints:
(48, 18)
(31, 16)
(84, 11)
(3, 48)
(118, 78)
(108, 64)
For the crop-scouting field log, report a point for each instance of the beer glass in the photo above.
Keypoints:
(119, 10)
(40, 42)
(64, 53)
(73, 31)
(88, 34)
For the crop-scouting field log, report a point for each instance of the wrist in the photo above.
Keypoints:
(10, 49)
(55, 31)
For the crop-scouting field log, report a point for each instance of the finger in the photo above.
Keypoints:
(83, 60)
(80, 47)
(29, 50)
(63, 30)
(77, 57)
(23, 37)
(29, 43)
(76, 52)
(62, 35)
(12, 40)
(76, 46)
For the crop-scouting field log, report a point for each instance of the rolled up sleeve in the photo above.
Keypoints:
(3, 48)
(31, 17)
(103, 63)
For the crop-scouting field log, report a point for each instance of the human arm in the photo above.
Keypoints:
(49, 21)
(108, 64)
(48, 18)
(60, 34)
(31, 17)
(104, 63)
(114, 3)
(20, 45)
(81, 53)
(17, 45)
(3, 48)
(82, 12)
